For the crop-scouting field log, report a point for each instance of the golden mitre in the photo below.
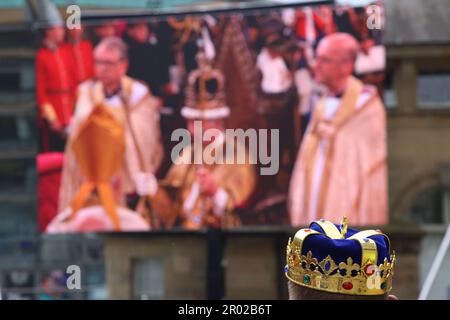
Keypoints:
(99, 148)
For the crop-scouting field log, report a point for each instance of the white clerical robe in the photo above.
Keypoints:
(341, 165)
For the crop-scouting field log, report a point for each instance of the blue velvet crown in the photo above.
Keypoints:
(338, 259)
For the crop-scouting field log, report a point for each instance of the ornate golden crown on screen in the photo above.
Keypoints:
(347, 277)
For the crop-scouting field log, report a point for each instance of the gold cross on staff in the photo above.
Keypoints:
(344, 227)
(185, 26)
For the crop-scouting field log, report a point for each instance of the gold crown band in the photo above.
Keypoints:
(330, 229)
(369, 251)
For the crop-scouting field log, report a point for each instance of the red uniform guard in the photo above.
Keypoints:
(81, 51)
(55, 83)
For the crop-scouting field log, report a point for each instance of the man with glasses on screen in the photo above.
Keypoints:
(132, 105)
(341, 165)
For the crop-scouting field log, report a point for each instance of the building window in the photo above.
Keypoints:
(389, 92)
(16, 81)
(431, 207)
(148, 279)
(433, 90)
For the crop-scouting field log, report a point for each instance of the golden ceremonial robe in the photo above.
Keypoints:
(235, 181)
(341, 166)
(134, 108)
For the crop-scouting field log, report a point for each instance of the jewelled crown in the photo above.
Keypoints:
(205, 92)
(337, 259)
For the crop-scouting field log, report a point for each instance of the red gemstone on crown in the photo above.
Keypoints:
(347, 285)
(369, 269)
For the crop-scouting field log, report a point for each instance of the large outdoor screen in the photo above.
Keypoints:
(224, 119)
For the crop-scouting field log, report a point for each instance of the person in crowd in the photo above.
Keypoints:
(82, 54)
(147, 59)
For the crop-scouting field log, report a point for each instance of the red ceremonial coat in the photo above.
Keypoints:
(83, 60)
(55, 82)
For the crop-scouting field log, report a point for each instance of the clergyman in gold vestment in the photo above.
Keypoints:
(132, 104)
(341, 165)
(199, 194)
